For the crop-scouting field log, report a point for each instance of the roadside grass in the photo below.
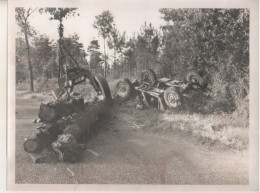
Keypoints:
(43, 97)
(210, 128)
(42, 90)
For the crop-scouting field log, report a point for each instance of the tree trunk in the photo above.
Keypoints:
(105, 62)
(129, 69)
(114, 62)
(29, 62)
(52, 70)
(61, 54)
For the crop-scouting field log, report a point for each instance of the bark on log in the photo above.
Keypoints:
(53, 111)
(43, 137)
(67, 145)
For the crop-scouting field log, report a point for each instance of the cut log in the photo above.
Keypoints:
(67, 145)
(67, 105)
(31, 145)
(43, 137)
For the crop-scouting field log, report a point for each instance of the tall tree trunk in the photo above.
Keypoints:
(89, 67)
(129, 69)
(105, 62)
(29, 62)
(114, 62)
(52, 70)
(61, 54)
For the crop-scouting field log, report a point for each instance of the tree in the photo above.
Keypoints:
(212, 41)
(95, 55)
(104, 24)
(129, 59)
(116, 42)
(44, 57)
(22, 18)
(147, 44)
(60, 14)
(75, 49)
(142, 52)
(203, 38)
(20, 60)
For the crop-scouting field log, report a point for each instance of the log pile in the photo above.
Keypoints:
(64, 123)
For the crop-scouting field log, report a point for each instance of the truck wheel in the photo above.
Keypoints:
(124, 88)
(196, 78)
(148, 76)
(172, 98)
(103, 88)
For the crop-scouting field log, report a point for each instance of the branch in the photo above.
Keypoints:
(30, 13)
(24, 18)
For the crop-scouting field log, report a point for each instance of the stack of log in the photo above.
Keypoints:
(64, 123)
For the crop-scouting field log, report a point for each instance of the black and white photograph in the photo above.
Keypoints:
(137, 93)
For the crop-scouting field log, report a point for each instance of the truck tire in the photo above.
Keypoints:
(196, 78)
(148, 76)
(172, 98)
(124, 88)
(103, 88)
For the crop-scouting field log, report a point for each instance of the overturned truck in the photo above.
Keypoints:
(166, 93)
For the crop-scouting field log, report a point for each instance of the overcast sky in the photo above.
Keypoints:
(128, 17)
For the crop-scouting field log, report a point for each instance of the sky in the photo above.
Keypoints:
(128, 17)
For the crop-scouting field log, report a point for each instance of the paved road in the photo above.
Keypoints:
(123, 152)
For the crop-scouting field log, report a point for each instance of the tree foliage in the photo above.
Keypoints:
(44, 56)
(116, 42)
(147, 48)
(22, 72)
(75, 49)
(214, 42)
(95, 55)
(60, 14)
(104, 24)
(22, 18)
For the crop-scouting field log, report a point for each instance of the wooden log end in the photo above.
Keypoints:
(31, 145)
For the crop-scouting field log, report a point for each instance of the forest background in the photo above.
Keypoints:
(212, 42)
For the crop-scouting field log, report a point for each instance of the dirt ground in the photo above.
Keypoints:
(134, 147)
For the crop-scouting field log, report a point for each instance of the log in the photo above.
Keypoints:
(43, 137)
(67, 144)
(31, 145)
(65, 106)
